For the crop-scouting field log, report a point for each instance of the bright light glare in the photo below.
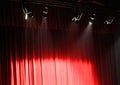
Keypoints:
(90, 23)
(26, 16)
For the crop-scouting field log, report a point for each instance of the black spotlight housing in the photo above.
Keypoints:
(45, 11)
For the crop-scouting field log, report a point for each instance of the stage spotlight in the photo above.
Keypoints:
(78, 18)
(92, 18)
(45, 11)
(27, 13)
(109, 20)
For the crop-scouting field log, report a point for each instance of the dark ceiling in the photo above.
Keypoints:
(107, 3)
(113, 3)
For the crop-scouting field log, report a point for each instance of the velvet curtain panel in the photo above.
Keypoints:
(53, 50)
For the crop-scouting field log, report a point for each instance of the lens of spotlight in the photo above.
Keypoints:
(26, 16)
(90, 23)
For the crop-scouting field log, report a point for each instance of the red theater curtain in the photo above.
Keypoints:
(41, 57)
(53, 51)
